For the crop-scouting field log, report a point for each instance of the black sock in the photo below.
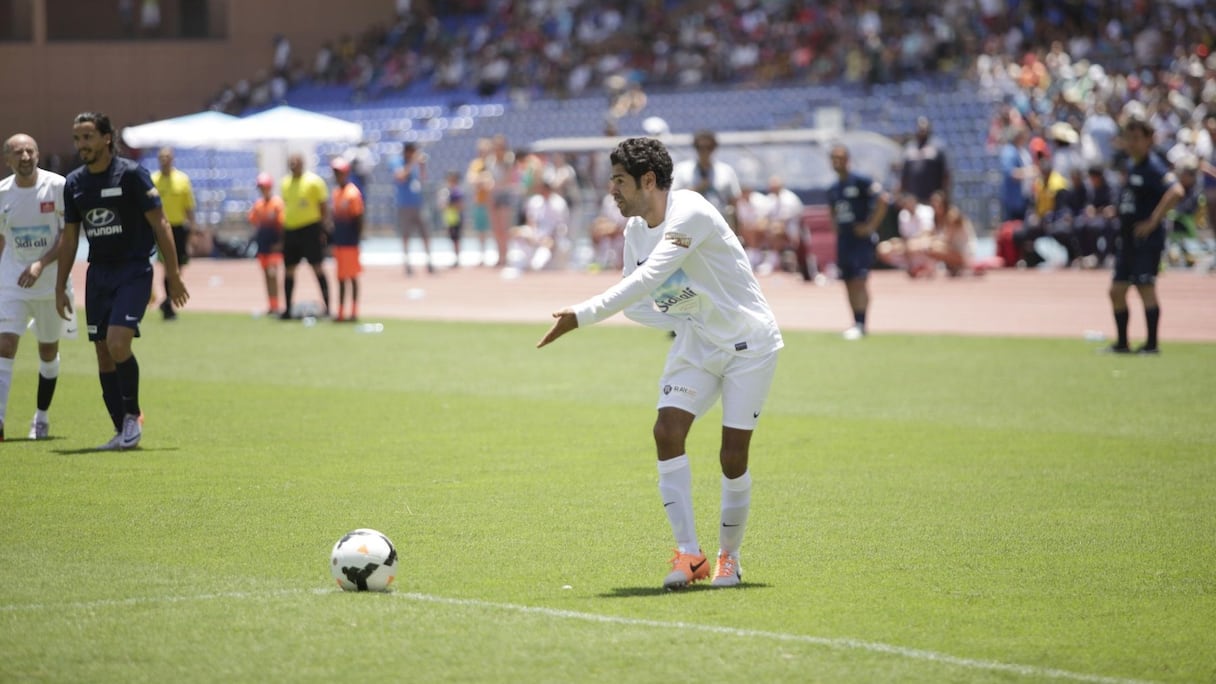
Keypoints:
(341, 295)
(289, 286)
(111, 394)
(859, 317)
(128, 381)
(1152, 316)
(1121, 327)
(324, 283)
(46, 391)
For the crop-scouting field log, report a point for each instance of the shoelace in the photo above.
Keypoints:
(727, 566)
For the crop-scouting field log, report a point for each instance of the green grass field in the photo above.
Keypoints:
(925, 509)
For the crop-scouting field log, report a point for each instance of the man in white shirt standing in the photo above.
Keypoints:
(31, 229)
(714, 179)
(685, 271)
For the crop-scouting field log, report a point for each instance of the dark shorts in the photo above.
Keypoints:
(855, 261)
(303, 244)
(181, 245)
(181, 240)
(116, 294)
(1138, 261)
(266, 240)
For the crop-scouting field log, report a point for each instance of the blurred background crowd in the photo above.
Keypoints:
(1012, 92)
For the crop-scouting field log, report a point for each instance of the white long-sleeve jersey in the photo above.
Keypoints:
(689, 274)
(31, 220)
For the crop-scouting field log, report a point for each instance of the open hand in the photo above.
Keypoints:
(566, 321)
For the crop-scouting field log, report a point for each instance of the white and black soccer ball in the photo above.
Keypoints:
(364, 560)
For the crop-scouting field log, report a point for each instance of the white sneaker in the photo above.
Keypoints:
(854, 333)
(131, 432)
(115, 443)
(727, 571)
(40, 429)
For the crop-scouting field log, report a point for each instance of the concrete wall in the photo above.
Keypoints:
(44, 84)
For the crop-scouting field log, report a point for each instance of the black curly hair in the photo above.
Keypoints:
(639, 155)
(102, 123)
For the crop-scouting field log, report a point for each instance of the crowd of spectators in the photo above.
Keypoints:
(551, 48)
(1057, 128)
(1064, 72)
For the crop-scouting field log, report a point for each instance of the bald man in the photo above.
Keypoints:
(31, 230)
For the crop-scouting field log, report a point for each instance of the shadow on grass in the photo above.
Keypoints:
(635, 592)
(99, 450)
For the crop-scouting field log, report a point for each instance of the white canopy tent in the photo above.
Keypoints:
(281, 131)
(192, 130)
(286, 124)
(273, 133)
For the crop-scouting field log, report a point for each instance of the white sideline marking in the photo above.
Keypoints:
(843, 644)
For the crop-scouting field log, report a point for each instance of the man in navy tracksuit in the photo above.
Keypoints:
(858, 206)
(117, 205)
(1149, 192)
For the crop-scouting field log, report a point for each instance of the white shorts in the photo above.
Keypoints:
(697, 373)
(16, 315)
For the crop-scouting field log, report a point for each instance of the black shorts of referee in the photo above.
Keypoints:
(303, 244)
(181, 243)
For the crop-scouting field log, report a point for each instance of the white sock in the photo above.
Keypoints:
(675, 486)
(49, 369)
(736, 502)
(6, 381)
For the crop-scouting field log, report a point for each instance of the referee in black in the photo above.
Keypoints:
(1149, 192)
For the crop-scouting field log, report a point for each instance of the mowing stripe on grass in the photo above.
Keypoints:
(839, 643)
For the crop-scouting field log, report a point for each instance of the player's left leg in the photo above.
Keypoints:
(745, 386)
(1152, 317)
(48, 328)
(859, 302)
(115, 350)
(48, 377)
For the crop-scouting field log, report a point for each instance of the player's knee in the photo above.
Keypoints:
(669, 437)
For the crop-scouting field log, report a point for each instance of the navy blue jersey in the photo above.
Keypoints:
(1143, 188)
(852, 202)
(110, 207)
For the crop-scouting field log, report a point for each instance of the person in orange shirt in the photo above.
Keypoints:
(266, 216)
(348, 231)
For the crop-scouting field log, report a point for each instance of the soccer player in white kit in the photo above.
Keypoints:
(31, 226)
(685, 271)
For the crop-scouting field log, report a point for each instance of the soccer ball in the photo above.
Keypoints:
(364, 560)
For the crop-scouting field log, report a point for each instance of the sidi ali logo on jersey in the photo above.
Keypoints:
(101, 221)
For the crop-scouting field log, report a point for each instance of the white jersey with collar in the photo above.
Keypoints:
(31, 220)
(691, 275)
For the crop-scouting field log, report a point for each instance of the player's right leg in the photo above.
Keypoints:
(8, 350)
(686, 390)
